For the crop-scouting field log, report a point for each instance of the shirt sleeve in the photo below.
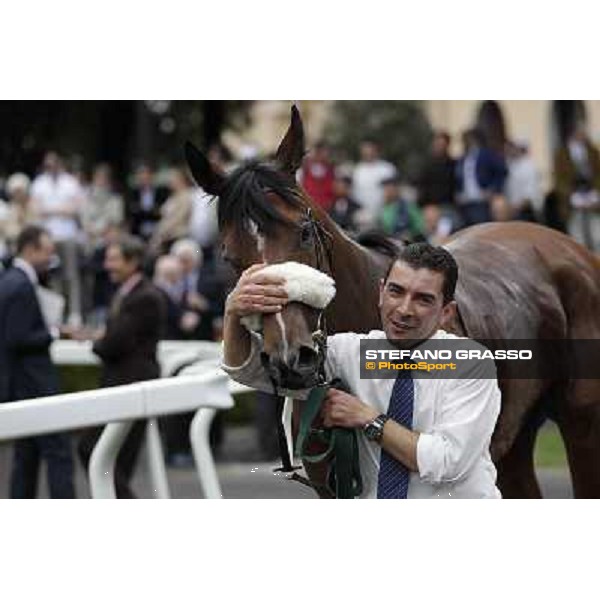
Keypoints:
(252, 373)
(469, 410)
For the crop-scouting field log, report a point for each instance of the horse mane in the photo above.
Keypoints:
(375, 240)
(244, 199)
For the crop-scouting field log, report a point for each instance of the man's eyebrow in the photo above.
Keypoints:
(425, 295)
(397, 287)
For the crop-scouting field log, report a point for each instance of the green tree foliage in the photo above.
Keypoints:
(400, 127)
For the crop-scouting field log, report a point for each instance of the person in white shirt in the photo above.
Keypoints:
(367, 178)
(443, 451)
(57, 198)
(522, 187)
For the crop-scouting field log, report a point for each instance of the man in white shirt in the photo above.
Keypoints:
(522, 187)
(57, 198)
(442, 449)
(367, 178)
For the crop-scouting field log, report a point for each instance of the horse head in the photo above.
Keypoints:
(264, 216)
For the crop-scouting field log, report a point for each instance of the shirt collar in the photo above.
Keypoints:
(19, 263)
(129, 284)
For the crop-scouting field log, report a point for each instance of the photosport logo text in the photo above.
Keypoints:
(458, 358)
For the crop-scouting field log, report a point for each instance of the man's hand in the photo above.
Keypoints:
(197, 301)
(256, 292)
(189, 321)
(344, 410)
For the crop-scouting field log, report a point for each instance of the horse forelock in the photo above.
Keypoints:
(244, 202)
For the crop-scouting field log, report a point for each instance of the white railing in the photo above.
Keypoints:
(202, 388)
(171, 354)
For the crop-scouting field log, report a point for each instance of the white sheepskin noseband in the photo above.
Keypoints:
(302, 284)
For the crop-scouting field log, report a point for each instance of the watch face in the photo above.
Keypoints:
(372, 431)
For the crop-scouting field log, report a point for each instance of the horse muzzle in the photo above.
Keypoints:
(298, 370)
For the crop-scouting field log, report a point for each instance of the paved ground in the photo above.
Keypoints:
(242, 479)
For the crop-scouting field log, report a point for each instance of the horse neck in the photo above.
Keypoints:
(356, 271)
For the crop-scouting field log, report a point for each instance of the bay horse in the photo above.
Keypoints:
(516, 281)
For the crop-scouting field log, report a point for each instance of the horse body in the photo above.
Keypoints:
(516, 281)
(524, 281)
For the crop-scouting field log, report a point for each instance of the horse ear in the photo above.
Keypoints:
(290, 153)
(204, 174)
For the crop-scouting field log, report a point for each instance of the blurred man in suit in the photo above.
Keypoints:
(480, 178)
(128, 346)
(144, 203)
(27, 370)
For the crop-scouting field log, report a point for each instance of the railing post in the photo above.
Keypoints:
(205, 464)
(156, 461)
(102, 462)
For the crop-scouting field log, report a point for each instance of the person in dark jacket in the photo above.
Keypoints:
(144, 203)
(27, 370)
(481, 173)
(136, 321)
(437, 182)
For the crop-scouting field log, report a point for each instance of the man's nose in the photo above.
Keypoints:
(405, 307)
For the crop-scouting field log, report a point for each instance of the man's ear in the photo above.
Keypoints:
(290, 153)
(449, 315)
(204, 174)
(381, 288)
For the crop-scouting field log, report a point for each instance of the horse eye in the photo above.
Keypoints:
(233, 263)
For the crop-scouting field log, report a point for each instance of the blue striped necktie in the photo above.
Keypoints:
(393, 475)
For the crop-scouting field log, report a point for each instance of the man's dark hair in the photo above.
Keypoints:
(435, 258)
(30, 236)
(132, 248)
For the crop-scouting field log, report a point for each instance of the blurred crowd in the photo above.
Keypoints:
(83, 213)
(83, 216)
(479, 185)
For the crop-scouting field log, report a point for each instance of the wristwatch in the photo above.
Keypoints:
(374, 429)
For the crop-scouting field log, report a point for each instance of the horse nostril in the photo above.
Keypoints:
(307, 357)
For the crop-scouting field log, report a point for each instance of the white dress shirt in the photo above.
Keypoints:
(472, 191)
(62, 192)
(454, 417)
(204, 225)
(366, 183)
(523, 183)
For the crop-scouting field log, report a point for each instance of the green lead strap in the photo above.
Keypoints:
(344, 478)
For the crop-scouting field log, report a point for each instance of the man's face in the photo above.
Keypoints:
(40, 256)
(391, 192)
(439, 146)
(411, 303)
(119, 269)
(52, 163)
(368, 152)
(144, 177)
(188, 262)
